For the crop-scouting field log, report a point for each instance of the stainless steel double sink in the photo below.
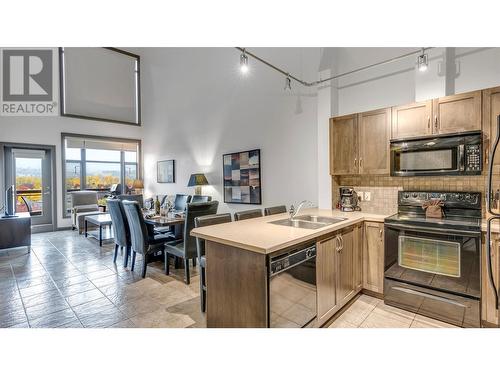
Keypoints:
(309, 221)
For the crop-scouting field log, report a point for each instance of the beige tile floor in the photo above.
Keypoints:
(69, 281)
(369, 312)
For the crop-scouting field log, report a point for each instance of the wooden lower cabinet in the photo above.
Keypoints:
(326, 277)
(373, 257)
(489, 314)
(338, 270)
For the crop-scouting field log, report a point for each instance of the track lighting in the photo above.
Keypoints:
(423, 61)
(244, 62)
(288, 82)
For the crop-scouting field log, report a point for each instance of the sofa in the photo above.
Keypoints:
(84, 203)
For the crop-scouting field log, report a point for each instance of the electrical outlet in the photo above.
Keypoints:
(368, 196)
(360, 196)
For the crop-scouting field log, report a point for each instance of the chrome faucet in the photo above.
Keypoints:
(294, 212)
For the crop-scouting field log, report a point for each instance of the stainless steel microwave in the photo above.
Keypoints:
(445, 155)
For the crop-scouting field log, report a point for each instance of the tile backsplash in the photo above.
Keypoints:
(383, 200)
(447, 183)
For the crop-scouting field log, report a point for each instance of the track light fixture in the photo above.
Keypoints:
(244, 62)
(288, 82)
(423, 61)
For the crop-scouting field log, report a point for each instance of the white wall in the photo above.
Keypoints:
(197, 106)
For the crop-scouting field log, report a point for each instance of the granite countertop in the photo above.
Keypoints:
(260, 236)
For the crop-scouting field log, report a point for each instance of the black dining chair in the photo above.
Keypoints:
(203, 221)
(180, 201)
(143, 240)
(248, 214)
(121, 230)
(201, 198)
(186, 247)
(275, 210)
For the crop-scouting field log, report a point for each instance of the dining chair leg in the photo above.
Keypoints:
(176, 262)
(116, 253)
(186, 266)
(144, 265)
(167, 264)
(133, 261)
(203, 294)
(194, 262)
(127, 254)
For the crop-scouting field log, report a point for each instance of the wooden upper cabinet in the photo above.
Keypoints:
(326, 278)
(343, 145)
(491, 111)
(373, 141)
(457, 113)
(412, 120)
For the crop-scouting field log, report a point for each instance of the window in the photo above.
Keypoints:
(98, 163)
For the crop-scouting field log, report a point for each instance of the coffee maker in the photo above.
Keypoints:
(348, 199)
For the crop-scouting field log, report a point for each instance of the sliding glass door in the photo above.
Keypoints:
(30, 171)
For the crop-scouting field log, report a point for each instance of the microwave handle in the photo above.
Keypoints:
(461, 157)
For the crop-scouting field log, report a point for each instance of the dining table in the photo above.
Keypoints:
(158, 220)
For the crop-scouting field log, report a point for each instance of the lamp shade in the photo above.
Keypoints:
(197, 179)
(138, 184)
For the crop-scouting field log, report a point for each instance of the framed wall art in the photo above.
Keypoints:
(242, 177)
(165, 171)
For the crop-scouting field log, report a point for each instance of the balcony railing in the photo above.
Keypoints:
(32, 202)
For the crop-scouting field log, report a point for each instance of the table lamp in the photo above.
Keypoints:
(197, 180)
(138, 185)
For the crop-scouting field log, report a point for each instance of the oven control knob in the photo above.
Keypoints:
(414, 195)
(407, 195)
(309, 253)
(467, 197)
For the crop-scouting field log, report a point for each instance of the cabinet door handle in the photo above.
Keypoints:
(339, 248)
(360, 162)
(429, 122)
(487, 152)
(436, 122)
(380, 233)
(341, 243)
(355, 162)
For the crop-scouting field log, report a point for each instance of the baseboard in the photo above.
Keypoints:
(485, 324)
(64, 228)
(372, 293)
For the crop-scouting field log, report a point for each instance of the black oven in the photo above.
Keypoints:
(434, 272)
(458, 154)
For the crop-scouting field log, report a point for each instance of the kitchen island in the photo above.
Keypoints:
(238, 255)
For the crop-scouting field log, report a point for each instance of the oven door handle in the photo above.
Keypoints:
(434, 230)
(431, 296)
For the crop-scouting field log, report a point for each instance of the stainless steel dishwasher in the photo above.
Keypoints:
(292, 288)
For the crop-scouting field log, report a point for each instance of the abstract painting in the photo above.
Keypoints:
(242, 177)
(166, 171)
